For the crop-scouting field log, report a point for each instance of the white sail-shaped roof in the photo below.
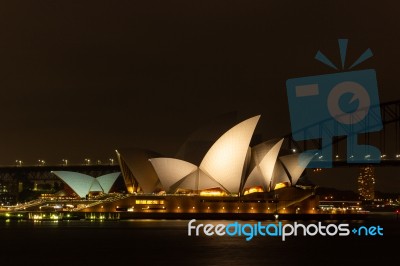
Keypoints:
(279, 175)
(267, 164)
(95, 187)
(82, 184)
(198, 180)
(225, 165)
(224, 161)
(206, 182)
(170, 170)
(107, 181)
(79, 183)
(261, 175)
(259, 151)
(190, 181)
(257, 179)
(295, 164)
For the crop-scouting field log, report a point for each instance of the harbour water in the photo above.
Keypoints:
(152, 242)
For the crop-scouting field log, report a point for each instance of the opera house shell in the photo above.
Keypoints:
(230, 167)
(82, 185)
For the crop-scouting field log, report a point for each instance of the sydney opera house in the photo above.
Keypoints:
(228, 176)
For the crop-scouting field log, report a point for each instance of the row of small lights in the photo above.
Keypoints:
(207, 207)
(64, 161)
(343, 208)
(366, 156)
(397, 156)
(268, 209)
(223, 208)
(384, 156)
(87, 161)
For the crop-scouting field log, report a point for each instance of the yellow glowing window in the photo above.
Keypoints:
(253, 190)
(281, 185)
(151, 202)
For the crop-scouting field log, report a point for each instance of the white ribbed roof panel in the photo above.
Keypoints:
(170, 170)
(198, 180)
(267, 164)
(206, 181)
(260, 150)
(279, 175)
(295, 164)
(224, 161)
(190, 181)
(256, 179)
(107, 181)
(95, 187)
(79, 183)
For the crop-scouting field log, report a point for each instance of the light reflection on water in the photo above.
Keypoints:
(128, 241)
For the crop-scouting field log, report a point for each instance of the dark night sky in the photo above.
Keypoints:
(80, 79)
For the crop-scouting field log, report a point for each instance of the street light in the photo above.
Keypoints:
(112, 161)
(87, 161)
(19, 162)
(65, 161)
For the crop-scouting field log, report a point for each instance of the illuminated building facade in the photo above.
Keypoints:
(6, 198)
(366, 183)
